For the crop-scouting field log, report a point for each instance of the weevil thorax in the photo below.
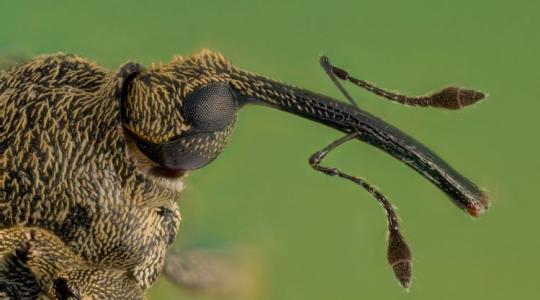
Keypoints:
(65, 166)
(181, 114)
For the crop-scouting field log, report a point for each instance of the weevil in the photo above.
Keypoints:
(93, 161)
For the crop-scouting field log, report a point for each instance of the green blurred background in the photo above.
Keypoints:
(316, 237)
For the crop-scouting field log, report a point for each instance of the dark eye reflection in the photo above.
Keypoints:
(210, 111)
(210, 108)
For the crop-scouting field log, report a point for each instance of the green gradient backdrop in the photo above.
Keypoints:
(318, 237)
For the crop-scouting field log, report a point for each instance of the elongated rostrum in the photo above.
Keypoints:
(92, 162)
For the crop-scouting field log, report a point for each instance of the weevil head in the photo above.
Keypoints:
(180, 114)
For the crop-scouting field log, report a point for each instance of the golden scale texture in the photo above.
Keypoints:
(69, 169)
(36, 252)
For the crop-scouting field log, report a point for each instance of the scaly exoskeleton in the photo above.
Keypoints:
(97, 158)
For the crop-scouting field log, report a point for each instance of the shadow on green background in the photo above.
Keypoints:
(318, 237)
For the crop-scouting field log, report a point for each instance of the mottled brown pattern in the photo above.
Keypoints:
(68, 167)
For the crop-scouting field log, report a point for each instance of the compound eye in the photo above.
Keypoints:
(211, 112)
(210, 108)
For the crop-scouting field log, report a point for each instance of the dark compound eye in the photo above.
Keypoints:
(211, 113)
(210, 108)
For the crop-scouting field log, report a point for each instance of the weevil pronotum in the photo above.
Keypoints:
(92, 162)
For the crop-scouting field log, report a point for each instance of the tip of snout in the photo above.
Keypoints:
(479, 206)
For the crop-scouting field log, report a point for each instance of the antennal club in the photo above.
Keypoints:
(399, 254)
(450, 98)
(360, 125)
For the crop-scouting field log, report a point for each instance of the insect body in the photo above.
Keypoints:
(94, 160)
